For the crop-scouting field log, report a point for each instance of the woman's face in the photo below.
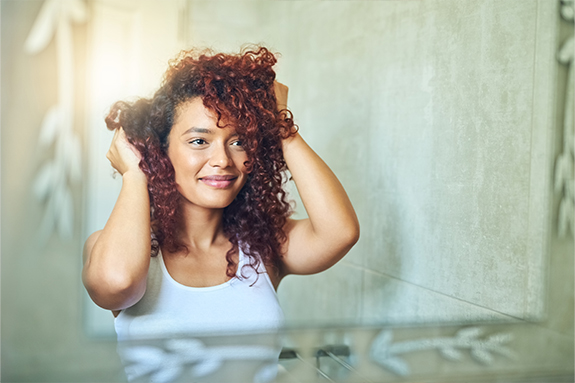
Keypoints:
(209, 161)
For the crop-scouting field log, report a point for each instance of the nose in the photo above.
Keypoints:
(220, 156)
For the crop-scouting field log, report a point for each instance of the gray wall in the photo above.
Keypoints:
(434, 111)
(437, 117)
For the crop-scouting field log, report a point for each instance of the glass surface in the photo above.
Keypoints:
(442, 118)
(434, 115)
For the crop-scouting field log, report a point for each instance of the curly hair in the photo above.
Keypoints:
(239, 89)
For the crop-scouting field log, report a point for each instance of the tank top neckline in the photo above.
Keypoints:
(227, 283)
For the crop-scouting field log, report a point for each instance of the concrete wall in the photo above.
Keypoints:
(437, 117)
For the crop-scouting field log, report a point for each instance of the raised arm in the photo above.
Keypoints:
(116, 259)
(318, 242)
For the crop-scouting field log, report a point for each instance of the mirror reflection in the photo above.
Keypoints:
(444, 122)
(429, 114)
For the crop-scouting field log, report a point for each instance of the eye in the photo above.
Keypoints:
(197, 141)
(237, 143)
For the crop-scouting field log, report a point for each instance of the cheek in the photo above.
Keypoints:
(186, 166)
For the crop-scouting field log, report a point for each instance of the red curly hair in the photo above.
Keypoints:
(239, 88)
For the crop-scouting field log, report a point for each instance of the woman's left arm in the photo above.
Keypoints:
(318, 242)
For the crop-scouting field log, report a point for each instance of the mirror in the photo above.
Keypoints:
(435, 115)
(441, 117)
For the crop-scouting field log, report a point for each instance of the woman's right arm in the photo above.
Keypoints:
(116, 259)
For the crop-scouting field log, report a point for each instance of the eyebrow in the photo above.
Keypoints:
(195, 129)
(198, 130)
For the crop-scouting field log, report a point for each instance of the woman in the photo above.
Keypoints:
(203, 162)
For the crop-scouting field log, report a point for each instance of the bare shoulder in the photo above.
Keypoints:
(89, 244)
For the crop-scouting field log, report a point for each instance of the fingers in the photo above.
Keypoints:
(122, 155)
(110, 153)
(281, 92)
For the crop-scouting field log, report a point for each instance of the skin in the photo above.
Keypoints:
(116, 259)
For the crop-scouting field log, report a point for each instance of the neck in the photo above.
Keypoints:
(200, 228)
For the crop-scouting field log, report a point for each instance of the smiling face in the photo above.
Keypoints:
(209, 161)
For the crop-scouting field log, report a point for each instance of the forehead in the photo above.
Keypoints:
(193, 111)
(194, 115)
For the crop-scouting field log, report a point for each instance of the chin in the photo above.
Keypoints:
(209, 203)
(217, 205)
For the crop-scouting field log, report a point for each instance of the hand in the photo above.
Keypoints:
(122, 155)
(281, 92)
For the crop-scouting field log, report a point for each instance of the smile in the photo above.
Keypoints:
(218, 182)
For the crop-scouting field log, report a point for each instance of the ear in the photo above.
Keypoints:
(249, 167)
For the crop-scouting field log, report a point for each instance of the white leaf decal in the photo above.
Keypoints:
(397, 366)
(500, 338)
(382, 343)
(55, 18)
(142, 359)
(190, 350)
(49, 127)
(169, 372)
(58, 198)
(44, 180)
(208, 366)
(77, 11)
(565, 216)
(140, 354)
(66, 215)
(565, 54)
(482, 356)
(470, 332)
(450, 348)
(43, 28)
(451, 353)
(47, 224)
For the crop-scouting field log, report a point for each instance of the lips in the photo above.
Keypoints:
(219, 181)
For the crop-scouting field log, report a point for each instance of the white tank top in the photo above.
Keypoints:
(181, 333)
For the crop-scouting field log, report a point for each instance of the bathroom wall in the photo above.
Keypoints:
(42, 334)
(431, 113)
